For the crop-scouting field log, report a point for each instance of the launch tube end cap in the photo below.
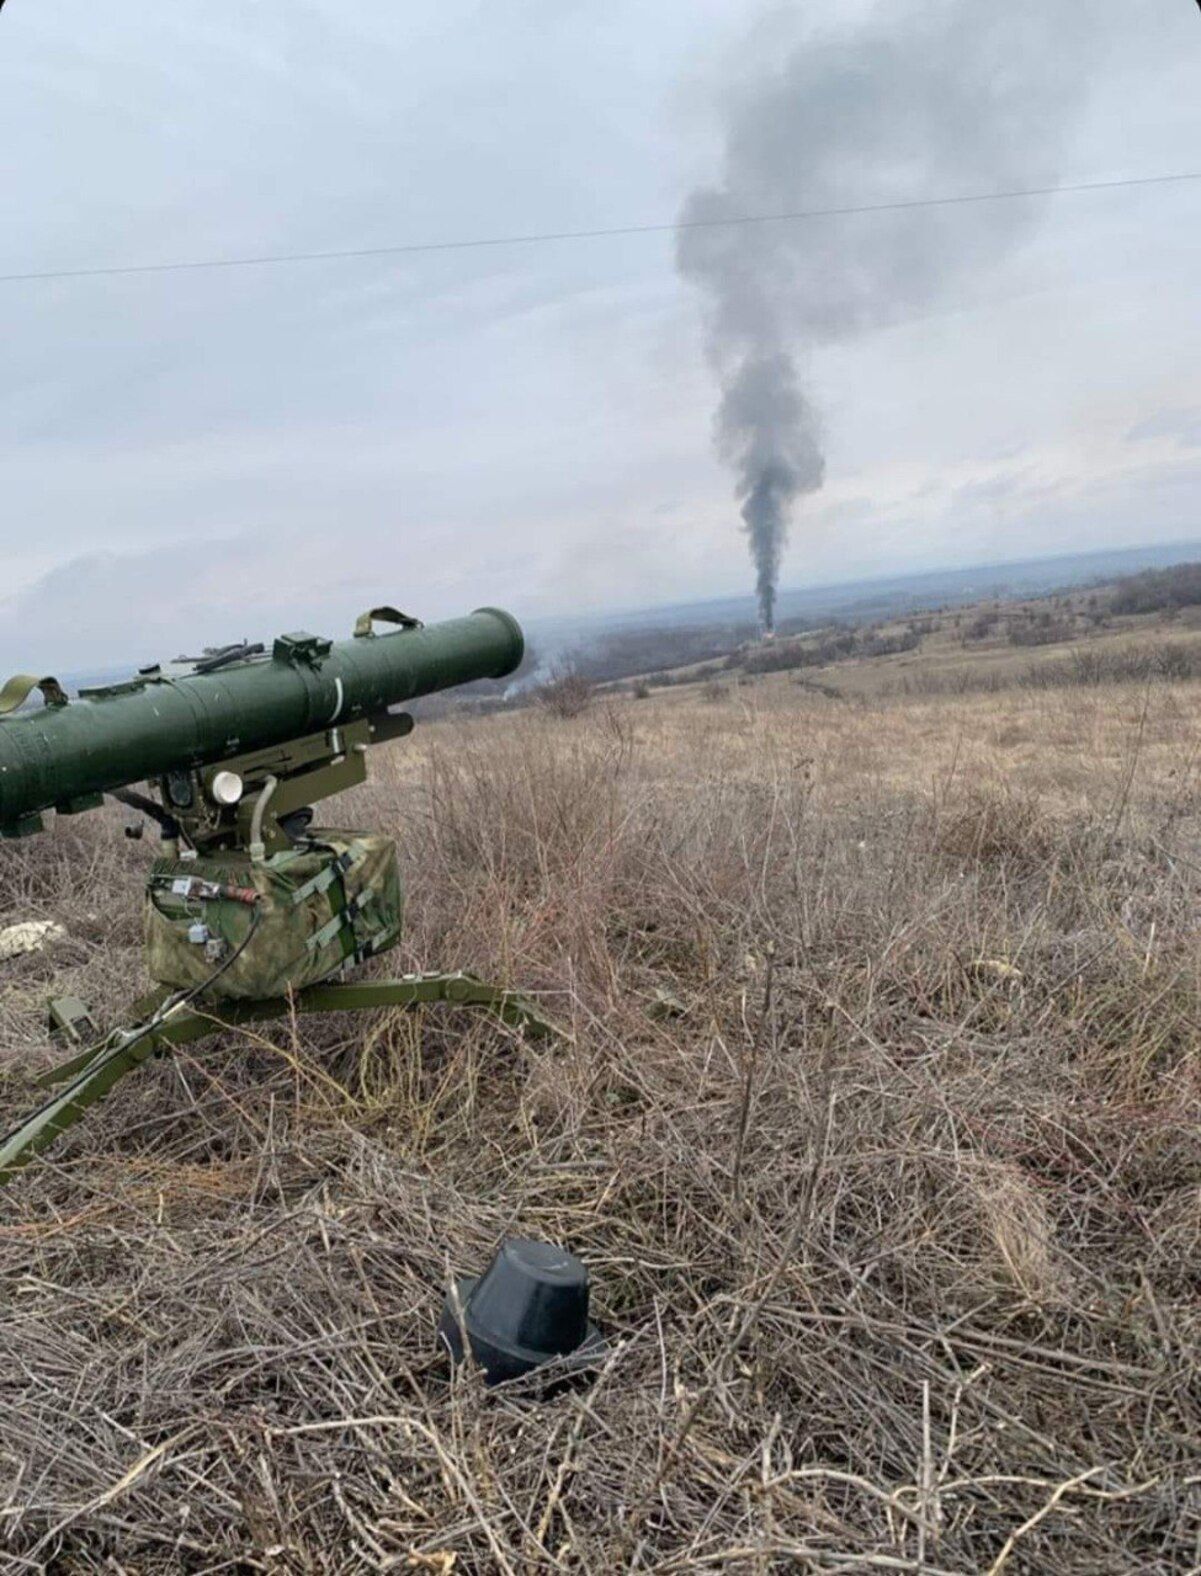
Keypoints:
(528, 1310)
(513, 658)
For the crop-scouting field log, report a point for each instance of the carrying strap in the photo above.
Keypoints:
(328, 874)
(386, 615)
(343, 920)
(22, 685)
(380, 942)
(347, 906)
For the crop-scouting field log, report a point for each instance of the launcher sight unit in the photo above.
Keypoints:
(251, 911)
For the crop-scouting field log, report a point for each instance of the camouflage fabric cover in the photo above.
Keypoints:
(326, 903)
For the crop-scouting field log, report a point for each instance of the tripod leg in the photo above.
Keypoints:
(459, 988)
(89, 1076)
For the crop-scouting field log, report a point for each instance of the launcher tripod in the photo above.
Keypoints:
(159, 1028)
(252, 913)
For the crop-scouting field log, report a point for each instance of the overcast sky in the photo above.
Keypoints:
(201, 455)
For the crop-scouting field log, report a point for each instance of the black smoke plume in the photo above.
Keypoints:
(767, 432)
(936, 99)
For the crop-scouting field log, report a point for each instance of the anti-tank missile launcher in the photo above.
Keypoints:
(192, 727)
(251, 910)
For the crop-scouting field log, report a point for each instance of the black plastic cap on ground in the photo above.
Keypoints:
(528, 1309)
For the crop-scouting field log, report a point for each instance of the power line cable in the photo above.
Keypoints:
(411, 248)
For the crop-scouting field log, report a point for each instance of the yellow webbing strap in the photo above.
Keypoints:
(22, 685)
(386, 615)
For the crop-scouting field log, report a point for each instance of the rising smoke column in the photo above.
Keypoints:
(767, 432)
(924, 100)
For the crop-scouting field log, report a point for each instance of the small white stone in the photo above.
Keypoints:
(32, 936)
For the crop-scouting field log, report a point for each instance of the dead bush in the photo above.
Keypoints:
(877, 1121)
(567, 695)
(986, 825)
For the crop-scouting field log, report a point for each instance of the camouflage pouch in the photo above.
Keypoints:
(323, 905)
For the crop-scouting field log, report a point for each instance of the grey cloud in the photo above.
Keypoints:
(999, 488)
(1182, 425)
(104, 607)
(260, 448)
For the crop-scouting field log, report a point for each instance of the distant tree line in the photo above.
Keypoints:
(1158, 590)
(1168, 663)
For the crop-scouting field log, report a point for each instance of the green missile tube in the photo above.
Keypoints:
(66, 756)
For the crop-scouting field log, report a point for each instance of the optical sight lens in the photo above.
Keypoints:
(226, 788)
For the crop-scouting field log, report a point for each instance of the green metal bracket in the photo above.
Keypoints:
(81, 803)
(90, 1075)
(70, 1021)
(26, 826)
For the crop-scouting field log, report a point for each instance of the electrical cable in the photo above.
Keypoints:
(411, 248)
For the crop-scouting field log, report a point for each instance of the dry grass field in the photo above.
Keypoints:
(879, 1128)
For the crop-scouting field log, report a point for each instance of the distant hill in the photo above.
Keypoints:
(877, 597)
(720, 622)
